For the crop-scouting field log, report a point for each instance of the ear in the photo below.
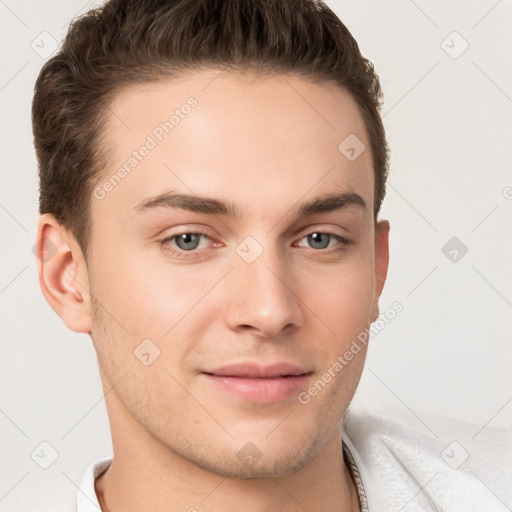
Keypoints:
(381, 262)
(63, 274)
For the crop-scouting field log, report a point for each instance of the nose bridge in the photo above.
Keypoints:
(260, 294)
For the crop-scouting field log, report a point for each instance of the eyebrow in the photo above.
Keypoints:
(211, 206)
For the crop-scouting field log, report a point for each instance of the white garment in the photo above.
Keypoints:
(396, 469)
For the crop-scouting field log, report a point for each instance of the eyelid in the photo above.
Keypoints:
(343, 242)
(308, 230)
(172, 236)
(319, 228)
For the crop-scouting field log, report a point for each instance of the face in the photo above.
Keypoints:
(214, 314)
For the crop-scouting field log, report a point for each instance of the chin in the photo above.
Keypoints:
(251, 462)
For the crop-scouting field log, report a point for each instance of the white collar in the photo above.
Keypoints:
(86, 500)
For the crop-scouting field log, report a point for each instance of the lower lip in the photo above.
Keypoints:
(260, 390)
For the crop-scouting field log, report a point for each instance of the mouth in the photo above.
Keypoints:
(256, 383)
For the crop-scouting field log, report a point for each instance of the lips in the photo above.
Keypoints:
(255, 371)
(257, 383)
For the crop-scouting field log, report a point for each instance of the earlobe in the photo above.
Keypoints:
(381, 262)
(62, 274)
(375, 311)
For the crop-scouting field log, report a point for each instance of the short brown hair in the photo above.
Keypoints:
(135, 41)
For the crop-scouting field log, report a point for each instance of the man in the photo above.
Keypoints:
(211, 176)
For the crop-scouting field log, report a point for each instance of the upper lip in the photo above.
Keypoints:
(256, 371)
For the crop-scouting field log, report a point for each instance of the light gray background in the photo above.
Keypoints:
(447, 353)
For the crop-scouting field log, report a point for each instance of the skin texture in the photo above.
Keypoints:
(265, 143)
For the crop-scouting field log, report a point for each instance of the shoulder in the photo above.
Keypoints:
(426, 467)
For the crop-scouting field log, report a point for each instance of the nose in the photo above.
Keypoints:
(261, 297)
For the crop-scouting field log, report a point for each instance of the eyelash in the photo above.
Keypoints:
(345, 243)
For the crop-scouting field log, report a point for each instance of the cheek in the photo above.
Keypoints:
(156, 300)
(342, 296)
(144, 295)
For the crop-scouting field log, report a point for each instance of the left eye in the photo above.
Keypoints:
(320, 240)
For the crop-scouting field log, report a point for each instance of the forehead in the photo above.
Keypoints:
(258, 137)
